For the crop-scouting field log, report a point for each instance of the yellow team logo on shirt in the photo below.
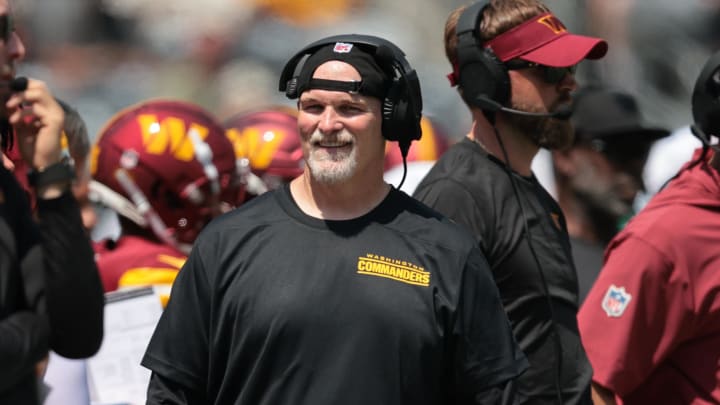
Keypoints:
(399, 270)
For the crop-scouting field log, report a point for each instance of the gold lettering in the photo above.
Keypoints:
(396, 269)
(553, 23)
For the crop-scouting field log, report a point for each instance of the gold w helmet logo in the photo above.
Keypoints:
(169, 135)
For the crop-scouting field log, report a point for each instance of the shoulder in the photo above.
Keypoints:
(464, 170)
(261, 209)
(675, 217)
(430, 226)
(229, 232)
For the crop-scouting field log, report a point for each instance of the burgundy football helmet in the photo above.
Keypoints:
(269, 141)
(166, 165)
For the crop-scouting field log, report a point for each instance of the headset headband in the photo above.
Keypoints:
(386, 54)
(470, 18)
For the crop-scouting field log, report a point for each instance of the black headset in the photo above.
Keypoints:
(402, 106)
(481, 74)
(706, 101)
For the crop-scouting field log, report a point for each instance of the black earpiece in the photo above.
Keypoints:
(481, 74)
(706, 100)
(401, 107)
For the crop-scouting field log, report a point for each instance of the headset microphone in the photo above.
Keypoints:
(562, 113)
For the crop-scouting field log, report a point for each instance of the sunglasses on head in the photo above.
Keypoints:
(550, 74)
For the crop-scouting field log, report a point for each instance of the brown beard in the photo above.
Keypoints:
(545, 132)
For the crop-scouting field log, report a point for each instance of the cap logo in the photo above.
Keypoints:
(342, 47)
(555, 25)
(615, 301)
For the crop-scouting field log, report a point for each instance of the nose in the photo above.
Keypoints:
(16, 48)
(329, 121)
(568, 83)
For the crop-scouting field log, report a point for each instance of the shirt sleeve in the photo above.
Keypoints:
(163, 391)
(486, 352)
(634, 315)
(74, 293)
(179, 348)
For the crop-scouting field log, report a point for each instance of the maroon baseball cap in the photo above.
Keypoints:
(545, 40)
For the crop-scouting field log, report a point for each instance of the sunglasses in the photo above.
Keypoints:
(621, 151)
(550, 74)
(7, 27)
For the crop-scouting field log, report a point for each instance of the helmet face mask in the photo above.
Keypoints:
(171, 158)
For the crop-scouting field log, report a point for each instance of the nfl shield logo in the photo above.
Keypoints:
(615, 301)
(342, 47)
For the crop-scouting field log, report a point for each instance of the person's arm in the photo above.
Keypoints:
(73, 293)
(73, 290)
(183, 363)
(631, 320)
(602, 395)
(487, 356)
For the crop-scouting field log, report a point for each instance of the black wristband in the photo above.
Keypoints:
(55, 173)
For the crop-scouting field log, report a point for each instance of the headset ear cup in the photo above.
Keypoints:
(482, 74)
(398, 121)
(291, 89)
(389, 130)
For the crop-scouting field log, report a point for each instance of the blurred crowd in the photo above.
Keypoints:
(102, 55)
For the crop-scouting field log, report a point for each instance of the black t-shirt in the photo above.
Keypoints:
(274, 307)
(588, 259)
(474, 189)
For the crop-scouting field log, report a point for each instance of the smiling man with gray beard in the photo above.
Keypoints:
(337, 288)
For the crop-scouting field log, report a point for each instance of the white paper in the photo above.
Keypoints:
(115, 375)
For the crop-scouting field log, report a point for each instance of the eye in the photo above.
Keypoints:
(351, 109)
(312, 107)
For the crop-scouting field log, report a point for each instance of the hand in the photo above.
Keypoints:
(41, 367)
(37, 119)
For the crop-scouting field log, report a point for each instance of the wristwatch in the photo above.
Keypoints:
(55, 173)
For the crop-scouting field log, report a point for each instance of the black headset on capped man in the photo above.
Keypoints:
(402, 106)
(482, 76)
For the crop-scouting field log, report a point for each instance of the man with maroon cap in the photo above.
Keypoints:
(514, 64)
(337, 288)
